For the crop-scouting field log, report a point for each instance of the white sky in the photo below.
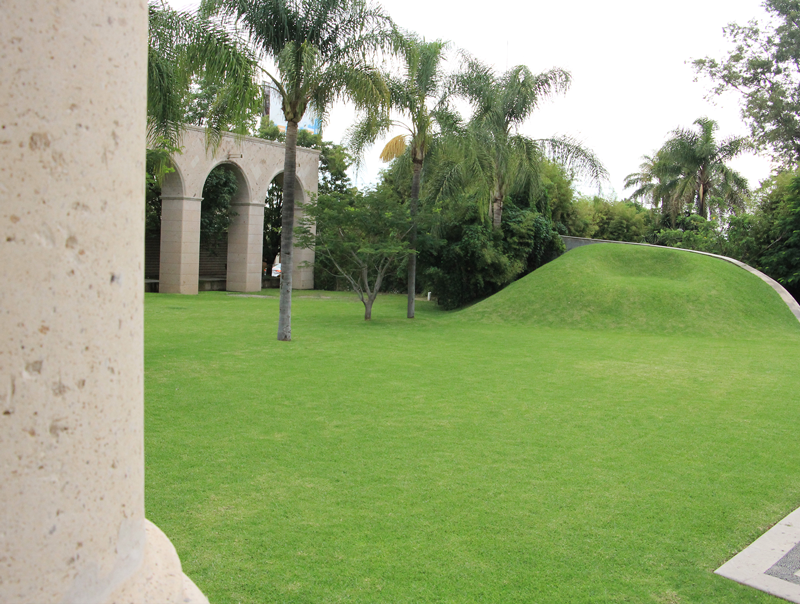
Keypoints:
(631, 84)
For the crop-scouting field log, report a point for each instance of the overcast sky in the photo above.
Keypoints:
(631, 81)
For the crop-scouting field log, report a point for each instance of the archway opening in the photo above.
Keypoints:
(216, 214)
(271, 249)
(163, 179)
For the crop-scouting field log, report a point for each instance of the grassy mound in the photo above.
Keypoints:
(626, 287)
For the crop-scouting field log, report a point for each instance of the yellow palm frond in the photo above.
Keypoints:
(394, 148)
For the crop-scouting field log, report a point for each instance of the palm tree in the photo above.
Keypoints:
(657, 182)
(321, 50)
(183, 46)
(704, 177)
(422, 82)
(501, 104)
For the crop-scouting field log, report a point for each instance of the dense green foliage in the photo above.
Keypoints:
(215, 211)
(462, 458)
(763, 68)
(470, 259)
(781, 257)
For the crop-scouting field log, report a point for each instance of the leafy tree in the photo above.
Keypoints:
(269, 130)
(504, 159)
(764, 67)
(619, 220)
(321, 52)
(781, 259)
(208, 105)
(360, 237)
(657, 183)
(412, 95)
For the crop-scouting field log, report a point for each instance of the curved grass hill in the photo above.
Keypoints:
(643, 289)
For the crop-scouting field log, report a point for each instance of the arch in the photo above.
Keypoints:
(243, 187)
(173, 185)
(213, 249)
(256, 162)
(302, 258)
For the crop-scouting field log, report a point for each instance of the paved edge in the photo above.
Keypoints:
(749, 566)
(785, 295)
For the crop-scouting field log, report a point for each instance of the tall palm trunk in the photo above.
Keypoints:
(497, 211)
(701, 198)
(497, 202)
(412, 258)
(287, 233)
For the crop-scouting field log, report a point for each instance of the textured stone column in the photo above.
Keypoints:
(72, 149)
(302, 273)
(245, 246)
(303, 269)
(179, 268)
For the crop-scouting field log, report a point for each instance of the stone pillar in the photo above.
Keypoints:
(245, 247)
(303, 269)
(302, 274)
(179, 269)
(72, 150)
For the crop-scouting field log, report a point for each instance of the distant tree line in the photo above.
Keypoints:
(467, 203)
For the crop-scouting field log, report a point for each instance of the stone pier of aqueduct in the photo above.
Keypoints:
(255, 162)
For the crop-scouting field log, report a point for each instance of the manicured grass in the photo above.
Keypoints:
(459, 457)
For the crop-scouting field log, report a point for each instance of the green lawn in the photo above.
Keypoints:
(535, 448)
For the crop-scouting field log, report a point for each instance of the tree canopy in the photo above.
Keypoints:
(413, 98)
(182, 48)
(502, 157)
(690, 171)
(764, 67)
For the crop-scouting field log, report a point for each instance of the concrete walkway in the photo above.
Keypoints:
(772, 562)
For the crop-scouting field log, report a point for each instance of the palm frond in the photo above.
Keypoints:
(394, 148)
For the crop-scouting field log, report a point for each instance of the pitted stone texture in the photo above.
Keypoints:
(72, 143)
(179, 269)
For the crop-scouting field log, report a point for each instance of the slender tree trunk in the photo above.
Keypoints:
(702, 200)
(368, 308)
(412, 257)
(287, 233)
(497, 211)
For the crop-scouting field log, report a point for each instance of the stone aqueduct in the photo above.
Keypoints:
(255, 162)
